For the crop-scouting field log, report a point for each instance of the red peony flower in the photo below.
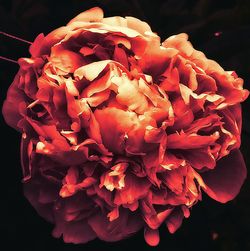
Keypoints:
(121, 132)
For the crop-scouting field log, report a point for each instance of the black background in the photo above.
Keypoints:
(230, 223)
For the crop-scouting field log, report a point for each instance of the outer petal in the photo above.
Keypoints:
(42, 45)
(190, 141)
(11, 105)
(224, 182)
(115, 230)
(92, 15)
(151, 236)
(74, 232)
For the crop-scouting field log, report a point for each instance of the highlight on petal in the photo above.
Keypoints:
(91, 71)
(191, 141)
(92, 15)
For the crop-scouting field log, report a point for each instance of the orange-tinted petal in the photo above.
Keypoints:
(92, 15)
(134, 189)
(138, 25)
(174, 221)
(91, 71)
(121, 122)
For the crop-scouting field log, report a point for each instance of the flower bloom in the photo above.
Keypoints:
(122, 132)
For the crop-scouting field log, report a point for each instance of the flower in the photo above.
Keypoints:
(122, 132)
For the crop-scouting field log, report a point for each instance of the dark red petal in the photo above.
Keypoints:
(152, 236)
(26, 151)
(135, 188)
(118, 229)
(206, 83)
(120, 121)
(41, 197)
(183, 114)
(225, 181)
(78, 232)
(190, 141)
(11, 105)
(175, 179)
(36, 45)
(120, 56)
(42, 45)
(118, 40)
(174, 221)
(200, 158)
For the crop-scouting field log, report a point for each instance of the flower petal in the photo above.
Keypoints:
(78, 232)
(152, 236)
(92, 15)
(12, 103)
(65, 61)
(121, 122)
(174, 221)
(190, 141)
(122, 227)
(225, 181)
(135, 188)
(92, 70)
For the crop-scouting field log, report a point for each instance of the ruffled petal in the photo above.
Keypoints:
(174, 221)
(190, 141)
(134, 189)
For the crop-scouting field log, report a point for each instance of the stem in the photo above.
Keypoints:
(15, 37)
(8, 59)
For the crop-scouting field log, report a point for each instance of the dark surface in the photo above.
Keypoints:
(20, 225)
